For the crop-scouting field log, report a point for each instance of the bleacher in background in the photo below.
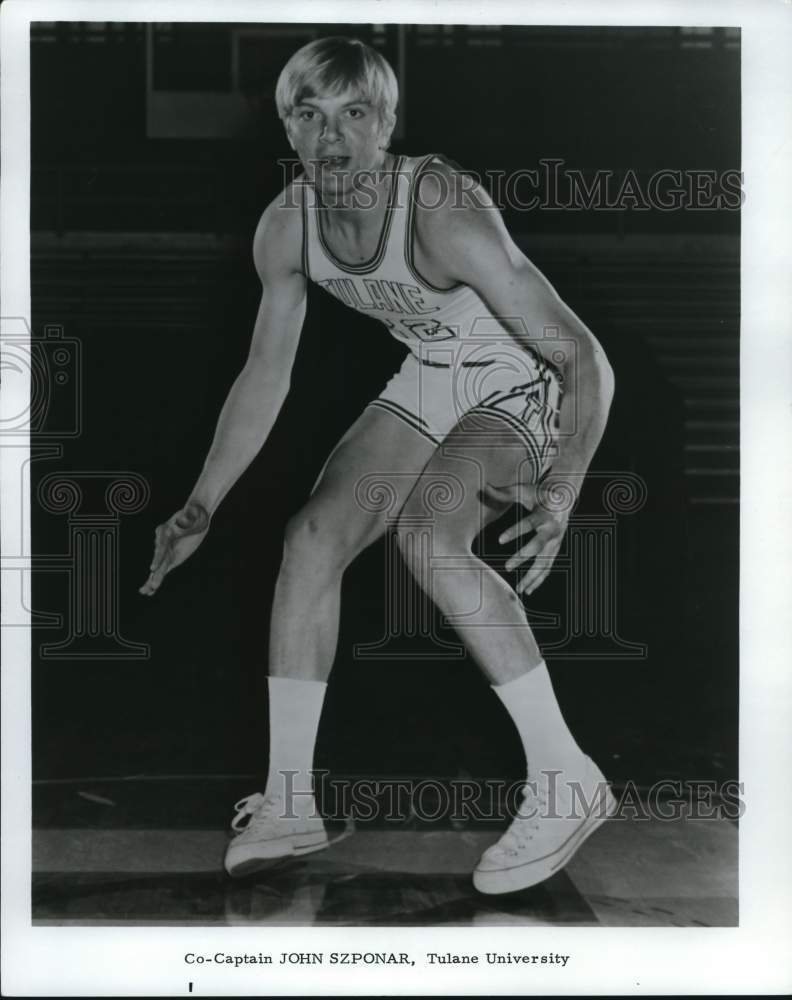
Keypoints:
(679, 296)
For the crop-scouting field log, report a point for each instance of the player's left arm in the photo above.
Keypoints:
(471, 245)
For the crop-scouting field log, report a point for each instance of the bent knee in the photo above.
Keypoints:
(323, 535)
(419, 537)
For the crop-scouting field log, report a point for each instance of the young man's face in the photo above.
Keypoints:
(336, 138)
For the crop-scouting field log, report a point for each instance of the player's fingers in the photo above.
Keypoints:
(158, 574)
(525, 586)
(522, 527)
(542, 565)
(163, 539)
(150, 586)
(539, 521)
(163, 554)
(525, 553)
(537, 582)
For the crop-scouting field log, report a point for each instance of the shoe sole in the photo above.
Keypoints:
(290, 847)
(504, 880)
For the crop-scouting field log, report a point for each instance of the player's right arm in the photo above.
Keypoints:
(257, 394)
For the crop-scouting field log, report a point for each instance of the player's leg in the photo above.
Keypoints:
(363, 484)
(362, 487)
(446, 508)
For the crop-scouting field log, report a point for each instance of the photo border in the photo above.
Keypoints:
(752, 958)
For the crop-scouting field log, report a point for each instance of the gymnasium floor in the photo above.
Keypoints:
(96, 861)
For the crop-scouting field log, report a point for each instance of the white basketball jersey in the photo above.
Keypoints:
(439, 325)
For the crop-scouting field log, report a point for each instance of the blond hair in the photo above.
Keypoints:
(333, 65)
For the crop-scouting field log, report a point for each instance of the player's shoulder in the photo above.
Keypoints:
(443, 184)
(450, 198)
(277, 241)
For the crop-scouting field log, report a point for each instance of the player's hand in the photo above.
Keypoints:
(174, 542)
(549, 506)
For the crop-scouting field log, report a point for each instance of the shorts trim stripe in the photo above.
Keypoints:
(409, 418)
(397, 406)
(551, 408)
(544, 418)
(528, 439)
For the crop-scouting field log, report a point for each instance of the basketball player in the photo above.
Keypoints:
(470, 424)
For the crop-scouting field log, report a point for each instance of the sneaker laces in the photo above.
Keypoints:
(256, 808)
(522, 827)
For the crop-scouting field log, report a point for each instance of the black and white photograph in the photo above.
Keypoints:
(395, 554)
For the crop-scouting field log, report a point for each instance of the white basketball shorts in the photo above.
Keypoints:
(512, 387)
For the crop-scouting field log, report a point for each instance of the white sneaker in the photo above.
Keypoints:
(547, 831)
(269, 834)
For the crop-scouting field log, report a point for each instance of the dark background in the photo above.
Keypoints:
(141, 254)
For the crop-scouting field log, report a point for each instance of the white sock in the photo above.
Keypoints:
(531, 702)
(294, 710)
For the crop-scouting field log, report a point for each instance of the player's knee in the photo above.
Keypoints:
(308, 536)
(419, 539)
(316, 537)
